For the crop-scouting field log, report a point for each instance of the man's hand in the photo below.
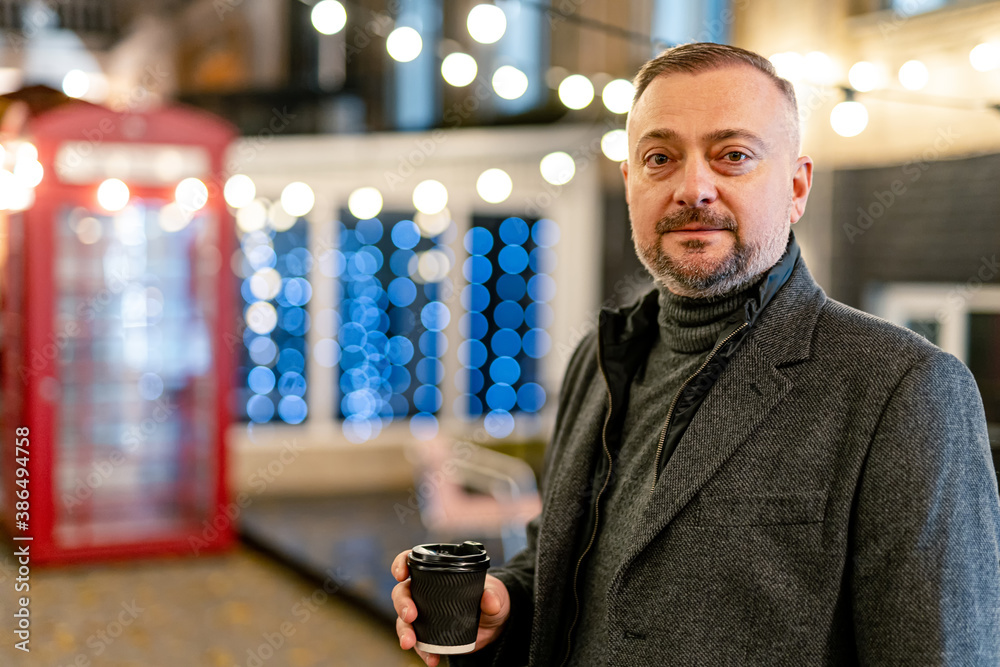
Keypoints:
(495, 607)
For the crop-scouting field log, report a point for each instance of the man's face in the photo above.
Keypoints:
(713, 180)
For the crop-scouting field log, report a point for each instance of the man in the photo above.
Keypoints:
(743, 471)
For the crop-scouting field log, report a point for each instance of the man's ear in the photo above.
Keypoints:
(801, 184)
(624, 167)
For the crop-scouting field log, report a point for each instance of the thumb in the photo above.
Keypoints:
(491, 602)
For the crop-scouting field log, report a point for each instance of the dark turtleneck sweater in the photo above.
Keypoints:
(689, 329)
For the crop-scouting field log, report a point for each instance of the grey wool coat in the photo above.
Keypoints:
(831, 502)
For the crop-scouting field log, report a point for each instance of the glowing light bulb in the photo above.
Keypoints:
(459, 69)
(985, 57)
(789, 65)
(614, 145)
(297, 199)
(328, 17)
(191, 194)
(576, 91)
(509, 82)
(617, 96)
(864, 76)
(913, 75)
(486, 23)
(494, 185)
(365, 203)
(430, 197)
(849, 119)
(239, 190)
(557, 168)
(113, 194)
(404, 44)
(76, 83)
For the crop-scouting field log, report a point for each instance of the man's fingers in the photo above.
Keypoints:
(399, 569)
(491, 603)
(403, 603)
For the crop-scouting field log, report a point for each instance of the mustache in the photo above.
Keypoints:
(687, 216)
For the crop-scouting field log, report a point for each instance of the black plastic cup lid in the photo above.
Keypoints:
(470, 555)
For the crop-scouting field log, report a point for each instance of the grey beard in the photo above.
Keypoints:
(741, 268)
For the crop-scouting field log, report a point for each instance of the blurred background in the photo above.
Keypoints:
(288, 286)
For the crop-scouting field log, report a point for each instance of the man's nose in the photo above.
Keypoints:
(697, 185)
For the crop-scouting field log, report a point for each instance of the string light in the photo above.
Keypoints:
(913, 75)
(404, 44)
(486, 23)
(614, 145)
(576, 91)
(113, 194)
(459, 69)
(430, 197)
(494, 185)
(509, 82)
(557, 168)
(328, 17)
(617, 96)
(365, 203)
(239, 190)
(297, 199)
(76, 83)
(864, 76)
(849, 118)
(985, 57)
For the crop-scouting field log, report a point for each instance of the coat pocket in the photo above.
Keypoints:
(761, 510)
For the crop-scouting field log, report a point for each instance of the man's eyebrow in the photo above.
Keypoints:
(736, 133)
(666, 134)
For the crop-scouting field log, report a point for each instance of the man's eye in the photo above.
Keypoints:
(736, 156)
(657, 159)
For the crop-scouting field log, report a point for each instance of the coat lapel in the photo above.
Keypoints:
(738, 402)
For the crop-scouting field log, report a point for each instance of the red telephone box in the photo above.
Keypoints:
(116, 300)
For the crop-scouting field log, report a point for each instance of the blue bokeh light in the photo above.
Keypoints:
(476, 380)
(405, 234)
(472, 353)
(513, 259)
(292, 384)
(402, 292)
(545, 233)
(537, 343)
(291, 360)
(435, 316)
(297, 291)
(292, 409)
(511, 287)
(400, 350)
(501, 397)
(427, 398)
(369, 231)
(539, 315)
(531, 397)
(430, 371)
(508, 314)
(474, 325)
(505, 370)
(478, 241)
(260, 380)
(433, 343)
(399, 262)
(514, 231)
(506, 343)
(477, 269)
(260, 409)
(499, 423)
(263, 350)
(475, 298)
(541, 288)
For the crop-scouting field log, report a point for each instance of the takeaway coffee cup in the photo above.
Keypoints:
(446, 584)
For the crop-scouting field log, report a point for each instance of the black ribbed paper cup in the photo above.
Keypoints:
(446, 584)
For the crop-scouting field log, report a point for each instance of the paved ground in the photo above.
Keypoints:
(241, 609)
